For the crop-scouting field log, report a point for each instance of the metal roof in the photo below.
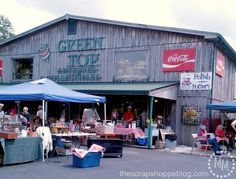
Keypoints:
(216, 38)
(119, 88)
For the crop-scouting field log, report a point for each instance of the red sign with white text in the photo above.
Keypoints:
(179, 60)
(220, 63)
(0, 67)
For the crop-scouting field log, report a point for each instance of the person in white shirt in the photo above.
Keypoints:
(233, 124)
(40, 112)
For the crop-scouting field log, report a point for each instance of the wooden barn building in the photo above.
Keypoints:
(171, 73)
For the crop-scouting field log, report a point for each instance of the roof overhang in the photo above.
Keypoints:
(167, 90)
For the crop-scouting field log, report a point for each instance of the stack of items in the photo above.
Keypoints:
(8, 135)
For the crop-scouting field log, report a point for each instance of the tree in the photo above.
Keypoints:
(6, 29)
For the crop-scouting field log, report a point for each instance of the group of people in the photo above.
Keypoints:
(24, 116)
(219, 138)
(36, 122)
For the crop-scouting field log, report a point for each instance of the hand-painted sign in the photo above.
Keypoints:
(81, 66)
(179, 60)
(85, 44)
(220, 64)
(196, 81)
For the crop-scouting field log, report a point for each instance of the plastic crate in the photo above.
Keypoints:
(142, 141)
(92, 159)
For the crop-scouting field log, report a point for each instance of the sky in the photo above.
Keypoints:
(205, 15)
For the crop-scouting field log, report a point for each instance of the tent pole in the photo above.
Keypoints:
(105, 113)
(69, 111)
(43, 121)
(46, 112)
(43, 113)
(18, 110)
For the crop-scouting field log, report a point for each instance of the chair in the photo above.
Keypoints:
(61, 147)
(199, 145)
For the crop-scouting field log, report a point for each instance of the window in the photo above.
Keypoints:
(132, 65)
(71, 27)
(22, 69)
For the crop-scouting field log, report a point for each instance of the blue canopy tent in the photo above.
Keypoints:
(47, 90)
(223, 106)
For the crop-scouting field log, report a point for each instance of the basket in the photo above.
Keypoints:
(92, 159)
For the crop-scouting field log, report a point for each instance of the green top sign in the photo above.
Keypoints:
(80, 44)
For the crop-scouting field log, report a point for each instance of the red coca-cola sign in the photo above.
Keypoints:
(220, 63)
(179, 60)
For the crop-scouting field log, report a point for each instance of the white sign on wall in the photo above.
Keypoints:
(196, 81)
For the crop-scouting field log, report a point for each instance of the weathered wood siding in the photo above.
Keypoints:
(116, 38)
(124, 38)
(224, 87)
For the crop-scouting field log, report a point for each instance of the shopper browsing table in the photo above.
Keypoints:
(25, 116)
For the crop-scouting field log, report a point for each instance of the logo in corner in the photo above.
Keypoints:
(221, 166)
(44, 52)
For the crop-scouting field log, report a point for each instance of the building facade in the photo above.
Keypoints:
(181, 70)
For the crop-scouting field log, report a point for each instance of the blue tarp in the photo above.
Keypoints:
(45, 89)
(224, 106)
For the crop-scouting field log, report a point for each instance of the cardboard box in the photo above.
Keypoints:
(155, 132)
(63, 151)
(59, 129)
(107, 129)
(8, 135)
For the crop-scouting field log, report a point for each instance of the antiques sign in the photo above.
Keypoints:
(179, 60)
(82, 66)
(196, 81)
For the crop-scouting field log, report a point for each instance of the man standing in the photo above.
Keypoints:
(128, 117)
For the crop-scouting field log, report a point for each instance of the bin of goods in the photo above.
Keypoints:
(92, 159)
(170, 141)
(87, 158)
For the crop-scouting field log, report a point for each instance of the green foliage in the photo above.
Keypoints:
(6, 29)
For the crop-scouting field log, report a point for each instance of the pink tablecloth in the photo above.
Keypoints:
(125, 131)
